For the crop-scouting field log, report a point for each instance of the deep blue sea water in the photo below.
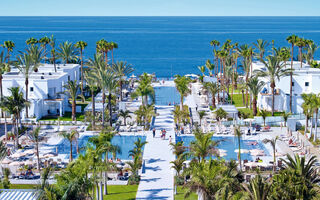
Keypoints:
(164, 45)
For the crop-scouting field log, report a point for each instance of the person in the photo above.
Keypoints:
(182, 131)
(170, 139)
(154, 132)
(197, 107)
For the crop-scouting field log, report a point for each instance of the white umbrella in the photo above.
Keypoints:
(50, 155)
(133, 76)
(15, 163)
(222, 154)
(30, 151)
(257, 153)
(29, 162)
(125, 91)
(262, 164)
(222, 150)
(18, 155)
(250, 164)
(6, 161)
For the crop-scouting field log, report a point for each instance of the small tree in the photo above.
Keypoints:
(220, 114)
(285, 116)
(202, 114)
(125, 115)
(273, 143)
(264, 115)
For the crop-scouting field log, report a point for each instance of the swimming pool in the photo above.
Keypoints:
(166, 95)
(230, 144)
(126, 143)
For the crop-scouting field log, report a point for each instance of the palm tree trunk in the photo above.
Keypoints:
(38, 158)
(5, 126)
(181, 102)
(306, 126)
(254, 106)
(243, 100)
(110, 108)
(71, 151)
(27, 83)
(93, 110)
(300, 52)
(239, 153)
(274, 157)
(315, 127)
(213, 100)
(103, 102)
(272, 88)
(120, 84)
(291, 78)
(54, 61)
(74, 110)
(247, 92)
(97, 191)
(105, 192)
(81, 73)
(100, 191)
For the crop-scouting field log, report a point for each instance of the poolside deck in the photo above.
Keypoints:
(158, 180)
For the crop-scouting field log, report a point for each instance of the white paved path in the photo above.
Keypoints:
(158, 180)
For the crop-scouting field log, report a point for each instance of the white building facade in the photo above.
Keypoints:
(46, 88)
(304, 80)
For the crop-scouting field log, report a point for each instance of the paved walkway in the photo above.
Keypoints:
(158, 180)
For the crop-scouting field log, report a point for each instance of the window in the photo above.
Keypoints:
(306, 84)
(68, 78)
(292, 83)
(31, 89)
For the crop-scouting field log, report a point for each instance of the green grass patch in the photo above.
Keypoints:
(180, 194)
(22, 186)
(66, 117)
(123, 192)
(237, 100)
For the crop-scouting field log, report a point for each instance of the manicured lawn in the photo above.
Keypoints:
(180, 194)
(237, 100)
(123, 192)
(66, 117)
(23, 186)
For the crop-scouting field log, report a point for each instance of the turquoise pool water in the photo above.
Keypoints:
(230, 144)
(126, 143)
(166, 95)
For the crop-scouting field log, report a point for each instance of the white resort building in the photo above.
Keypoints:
(304, 80)
(45, 88)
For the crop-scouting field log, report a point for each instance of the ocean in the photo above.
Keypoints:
(162, 45)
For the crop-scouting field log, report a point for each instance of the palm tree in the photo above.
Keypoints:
(202, 69)
(26, 63)
(113, 46)
(81, 45)
(292, 39)
(316, 104)
(300, 42)
(202, 114)
(274, 71)
(53, 51)
(237, 133)
(273, 143)
(104, 47)
(210, 67)
(32, 41)
(111, 85)
(308, 108)
(255, 86)
(9, 45)
(15, 103)
(44, 41)
(258, 189)
(72, 89)
(92, 84)
(125, 115)
(70, 136)
(121, 69)
(144, 89)
(215, 43)
(261, 46)
(67, 52)
(246, 67)
(220, 114)
(182, 85)
(213, 89)
(264, 115)
(4, 67)
(36, 138)
(285, 116)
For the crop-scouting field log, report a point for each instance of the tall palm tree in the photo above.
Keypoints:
(255, 86)
(215, 43)
(53, 51)
(292, 39)
(202, 114)
(237, 133)
(32, 41)
(103, 47)
(92, 84)
(44, 41)
(72, 88)
(202, 69)
(264, 115)
(285, 116)
(213, 89)
(15, 103)
(273, 143)
(36, 138)
(111, 85)
(81, 45)
(125, 115)
(26, 63)
(275, 70)
(67, 52)
(4, 67)
(300, 42)
(182, 85)
(261, 45)
(121, 69)
(113, 46)
(246, 67)
(70, 136)
(9, 45)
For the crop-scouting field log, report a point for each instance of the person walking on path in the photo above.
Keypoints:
(154, 132)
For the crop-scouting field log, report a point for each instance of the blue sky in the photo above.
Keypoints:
(160, 8)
